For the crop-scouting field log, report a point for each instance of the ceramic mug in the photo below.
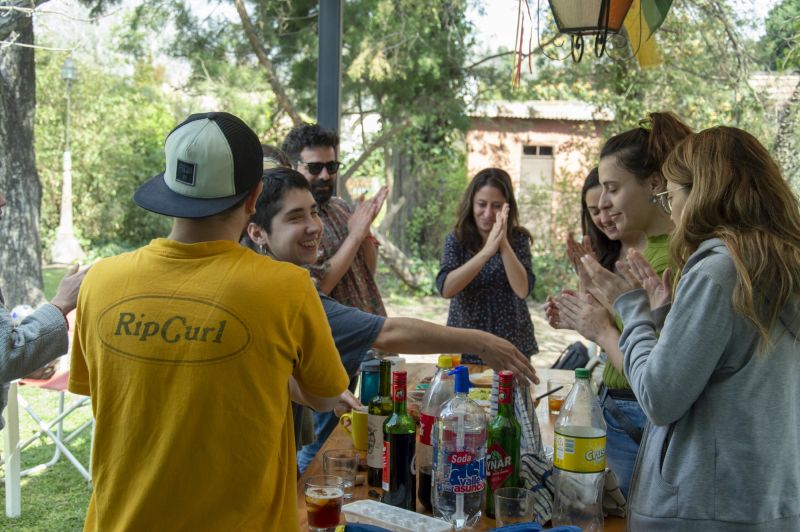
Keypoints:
(357, 427)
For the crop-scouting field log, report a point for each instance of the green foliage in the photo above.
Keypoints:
(117, 129)
(782, 36)
(435, 193)
(51, 277)
(553, 273)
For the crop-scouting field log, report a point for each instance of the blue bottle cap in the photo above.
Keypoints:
(461, 379)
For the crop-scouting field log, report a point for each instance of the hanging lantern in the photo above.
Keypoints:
(577, 18)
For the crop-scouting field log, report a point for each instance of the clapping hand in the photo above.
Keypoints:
(604, 285)
(365, 213)
(498, 233)
(639, 272)
(551, 311)
(576, 250)
(582, 313)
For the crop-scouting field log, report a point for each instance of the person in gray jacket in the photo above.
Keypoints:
(721, 383)
(40, 337)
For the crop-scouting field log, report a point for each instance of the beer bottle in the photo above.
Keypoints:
(399, 445)
(503, 443)
(379, 408)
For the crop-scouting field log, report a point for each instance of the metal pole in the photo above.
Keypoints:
(329, 65)
(65, 220)
(66, 249)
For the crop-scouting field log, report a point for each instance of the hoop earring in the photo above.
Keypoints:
(262, 249)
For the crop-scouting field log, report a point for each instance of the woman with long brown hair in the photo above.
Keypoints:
(719, 384)
(486, 264)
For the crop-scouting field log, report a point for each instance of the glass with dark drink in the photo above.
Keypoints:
(424, 492)
(324, 495)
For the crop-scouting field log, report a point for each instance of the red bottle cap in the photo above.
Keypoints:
(399, 377)
(506, 378)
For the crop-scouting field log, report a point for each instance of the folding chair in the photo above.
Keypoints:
(52, 430)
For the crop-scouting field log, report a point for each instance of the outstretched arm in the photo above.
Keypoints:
(413, 336)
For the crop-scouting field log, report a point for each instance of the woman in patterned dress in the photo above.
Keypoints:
(486, 265)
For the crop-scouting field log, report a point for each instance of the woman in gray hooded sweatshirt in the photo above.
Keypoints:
(720, 385)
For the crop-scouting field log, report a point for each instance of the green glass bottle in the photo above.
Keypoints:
(503, 443)
(378, 410)
(399, 446)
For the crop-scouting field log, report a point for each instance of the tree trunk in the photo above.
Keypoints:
(787, 141)
(20, 253)
(403, 186)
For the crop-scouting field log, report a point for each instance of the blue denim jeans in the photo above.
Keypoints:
(621, 450)
(324, 423)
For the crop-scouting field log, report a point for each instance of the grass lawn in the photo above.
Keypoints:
(56, 499)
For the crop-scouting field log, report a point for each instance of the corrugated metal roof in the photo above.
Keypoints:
(543, 110)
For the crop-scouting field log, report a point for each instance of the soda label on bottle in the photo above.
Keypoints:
(467, 472)
(580, 453)
(426, 422)
(386, 462)
(498, 466)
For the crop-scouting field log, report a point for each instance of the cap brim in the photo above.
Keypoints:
(154, 195)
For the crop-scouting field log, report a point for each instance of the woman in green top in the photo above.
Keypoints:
(629, 204)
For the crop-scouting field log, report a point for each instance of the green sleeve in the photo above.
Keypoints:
(657, 254)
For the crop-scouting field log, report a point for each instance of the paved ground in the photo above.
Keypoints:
(432, 308)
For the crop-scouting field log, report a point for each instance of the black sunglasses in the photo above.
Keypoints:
(316, 168)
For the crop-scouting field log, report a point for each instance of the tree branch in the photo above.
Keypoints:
(400, 264)
(14, 10)
(263, 58)
(390, 215)
(377, 143)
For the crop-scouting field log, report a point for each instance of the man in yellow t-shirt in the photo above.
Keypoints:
(191, 349)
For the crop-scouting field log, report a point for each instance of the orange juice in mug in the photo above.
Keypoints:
(357, 428)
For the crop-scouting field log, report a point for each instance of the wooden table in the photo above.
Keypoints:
(340, 439)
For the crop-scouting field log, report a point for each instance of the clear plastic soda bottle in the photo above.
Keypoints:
(439, 392)
(459, 469)
(579, 458)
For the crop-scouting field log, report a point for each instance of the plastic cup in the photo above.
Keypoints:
(342, 463)
(324, 502)
(513, 505)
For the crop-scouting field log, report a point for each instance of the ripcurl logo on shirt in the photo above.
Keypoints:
(172, 330)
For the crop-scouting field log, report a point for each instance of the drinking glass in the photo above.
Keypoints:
(324, 502)
(513, 505)
(342, 463)
(556, 399)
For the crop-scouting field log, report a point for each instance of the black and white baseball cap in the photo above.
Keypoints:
(213, 161)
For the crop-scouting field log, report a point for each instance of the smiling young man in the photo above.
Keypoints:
(345, 265)
(191, 348)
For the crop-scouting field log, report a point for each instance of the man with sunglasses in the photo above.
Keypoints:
(348, 253)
